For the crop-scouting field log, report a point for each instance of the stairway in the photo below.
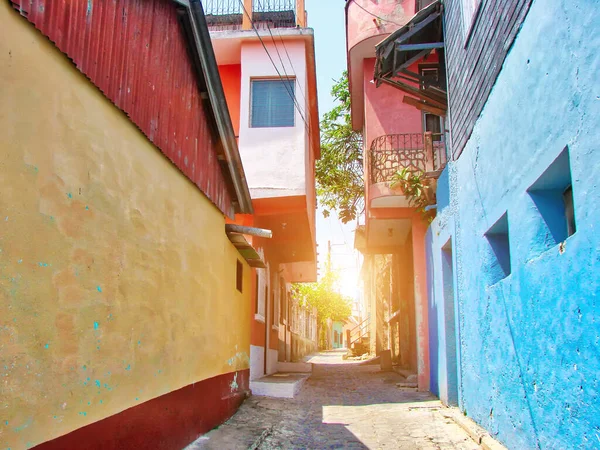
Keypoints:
(359, 338)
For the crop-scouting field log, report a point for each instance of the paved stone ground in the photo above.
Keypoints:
(342, 405)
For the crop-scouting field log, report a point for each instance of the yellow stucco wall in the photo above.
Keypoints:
(117, 281)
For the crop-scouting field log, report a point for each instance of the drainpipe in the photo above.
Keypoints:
(258, 232)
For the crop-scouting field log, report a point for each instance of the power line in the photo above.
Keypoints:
(293, 71)
(283, 64)
(291, 64)
(277, 50)
(274, 65)
(375, 15)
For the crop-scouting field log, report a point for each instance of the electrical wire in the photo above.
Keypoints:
(375, 15)
(291, 64)
(292, 96)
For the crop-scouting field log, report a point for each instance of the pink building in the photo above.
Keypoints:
(396, 76)
(266, 59)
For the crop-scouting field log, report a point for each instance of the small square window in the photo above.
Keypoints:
(239, 276)
(272, 103)
(569, 210)
(498, 238)
(552, 194)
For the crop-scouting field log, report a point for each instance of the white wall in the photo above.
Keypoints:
(274, 158)
(257, 362)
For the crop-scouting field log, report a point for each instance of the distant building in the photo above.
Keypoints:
(266, 58)
(123, 305)
(398, 99)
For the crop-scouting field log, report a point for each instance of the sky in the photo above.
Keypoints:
(327, 19)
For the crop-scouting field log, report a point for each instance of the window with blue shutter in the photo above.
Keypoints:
(272, 103)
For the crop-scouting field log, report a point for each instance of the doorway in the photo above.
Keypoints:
(450, 323)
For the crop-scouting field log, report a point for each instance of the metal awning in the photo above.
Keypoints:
(407, 45)
(235, 233)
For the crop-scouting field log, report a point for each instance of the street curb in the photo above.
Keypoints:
(479, 435)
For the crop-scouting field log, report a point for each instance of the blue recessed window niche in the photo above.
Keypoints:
(552, 194)
(499, 241)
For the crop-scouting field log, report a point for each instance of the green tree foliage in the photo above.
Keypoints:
(324, 296)
(339, 171)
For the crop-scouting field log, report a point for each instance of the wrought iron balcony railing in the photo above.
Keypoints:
(223, 15)
(418, 152)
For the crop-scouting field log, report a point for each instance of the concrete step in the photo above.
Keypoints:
(280, 385)
(294, 367)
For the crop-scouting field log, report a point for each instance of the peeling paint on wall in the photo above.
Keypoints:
(130, 282)
(234, 385)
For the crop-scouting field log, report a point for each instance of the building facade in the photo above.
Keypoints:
(513, 252)
(265, 53)
(398, 103)
(123, 304)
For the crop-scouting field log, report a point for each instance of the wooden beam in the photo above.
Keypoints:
(406, 64)
(417, 28)
(423, 106)
(423, 46)
(442, 103)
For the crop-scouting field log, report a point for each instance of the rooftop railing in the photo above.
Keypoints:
(229, 15)
(417, 152)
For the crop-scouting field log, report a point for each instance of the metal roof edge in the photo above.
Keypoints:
(314, 108)
(203, 45)
(423, 13)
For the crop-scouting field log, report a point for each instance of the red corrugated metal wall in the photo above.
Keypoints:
(135, 52)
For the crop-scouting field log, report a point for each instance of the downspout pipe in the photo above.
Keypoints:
(251, 231)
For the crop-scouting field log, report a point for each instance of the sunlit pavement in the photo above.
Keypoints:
(342, 405)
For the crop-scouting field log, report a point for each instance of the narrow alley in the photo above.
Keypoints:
(299, 224)
(342, 405)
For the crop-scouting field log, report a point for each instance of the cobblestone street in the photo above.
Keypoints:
(342, 405)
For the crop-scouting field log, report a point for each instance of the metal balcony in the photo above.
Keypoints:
(418, 152)
(230, 15)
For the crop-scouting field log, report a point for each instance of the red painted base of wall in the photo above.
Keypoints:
(169, 422)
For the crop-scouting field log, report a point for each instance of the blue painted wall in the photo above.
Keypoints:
(528, 342)
(441, 284)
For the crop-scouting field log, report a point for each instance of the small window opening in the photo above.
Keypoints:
(433, 123)
(272, 103)
(272, 308)
(552, 194)
(498, 238)
(569, 210)
(239, 276)
(282, 301)
(256, 293)
(430, 76)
